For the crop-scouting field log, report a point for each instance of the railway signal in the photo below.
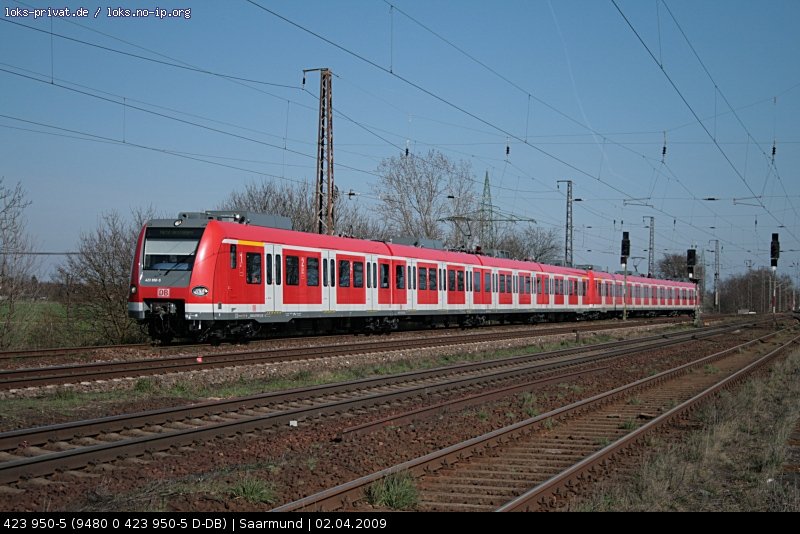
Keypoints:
(774, 252)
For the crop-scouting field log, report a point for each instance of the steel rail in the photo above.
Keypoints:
(350, 492)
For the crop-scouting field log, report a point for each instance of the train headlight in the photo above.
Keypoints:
(200, 291)
(133, 289)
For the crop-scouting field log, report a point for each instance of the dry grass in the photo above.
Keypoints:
(730, 461)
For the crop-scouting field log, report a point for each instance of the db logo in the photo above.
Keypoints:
(163, 292)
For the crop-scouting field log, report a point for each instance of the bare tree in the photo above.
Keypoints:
(97, 279)
(752, 291)
(17, 267)
(672, 267)
(418, 192)
(296, 203)
(529, 242)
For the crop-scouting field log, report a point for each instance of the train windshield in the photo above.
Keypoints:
(171, 249)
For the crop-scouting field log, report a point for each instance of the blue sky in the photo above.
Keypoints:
(567, 85)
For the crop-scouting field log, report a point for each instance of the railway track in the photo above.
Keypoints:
(63, 374)
(45, 450)
(537, 463)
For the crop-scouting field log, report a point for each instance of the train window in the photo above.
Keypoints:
(451, 280)
(344, 273)
(461, 280)
(374, 274)
(384, 275)
(233, 256)
(502, 283)
(487, 282)
(432, 280)
(477, 282)
(253, 261)
(269, 269)
(400, 281)
(292, 271)
(278, 269)
(358, 274)
(423, 278)
(333, 273)
(312, 274)
(413, 277)
(528, 285)
(324, 273)
(369, 274)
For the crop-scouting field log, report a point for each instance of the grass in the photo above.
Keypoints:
(253, 490)
(234, 482)
(47, 323)
(64, 405)
(731, 462)
(629, 424)
(397, 491)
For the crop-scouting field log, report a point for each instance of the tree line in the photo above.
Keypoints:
(420, 197)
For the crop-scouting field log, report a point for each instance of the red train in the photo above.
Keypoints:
(217, 275)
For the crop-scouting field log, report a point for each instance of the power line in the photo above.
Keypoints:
(152, 60)
(719, 90)
(470, 114)
(694, 113)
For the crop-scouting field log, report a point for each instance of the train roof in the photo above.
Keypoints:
(254, 232)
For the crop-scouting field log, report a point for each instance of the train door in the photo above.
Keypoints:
(559, 292)
(328, 272)
(371, 279)
(426, 285)
(398, 283)
(270, 301)
(573, 291)
(542, 289)
(525, 290)
(412, 283)
(384, 284)
(455, 287)
(469, 296)
(441, 284)
(505, 289)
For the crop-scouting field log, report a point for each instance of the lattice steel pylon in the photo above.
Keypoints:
(651, 256)
(569, 230)
(324, 188)
(487, 237)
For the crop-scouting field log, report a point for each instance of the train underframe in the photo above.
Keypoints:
(165, 323)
